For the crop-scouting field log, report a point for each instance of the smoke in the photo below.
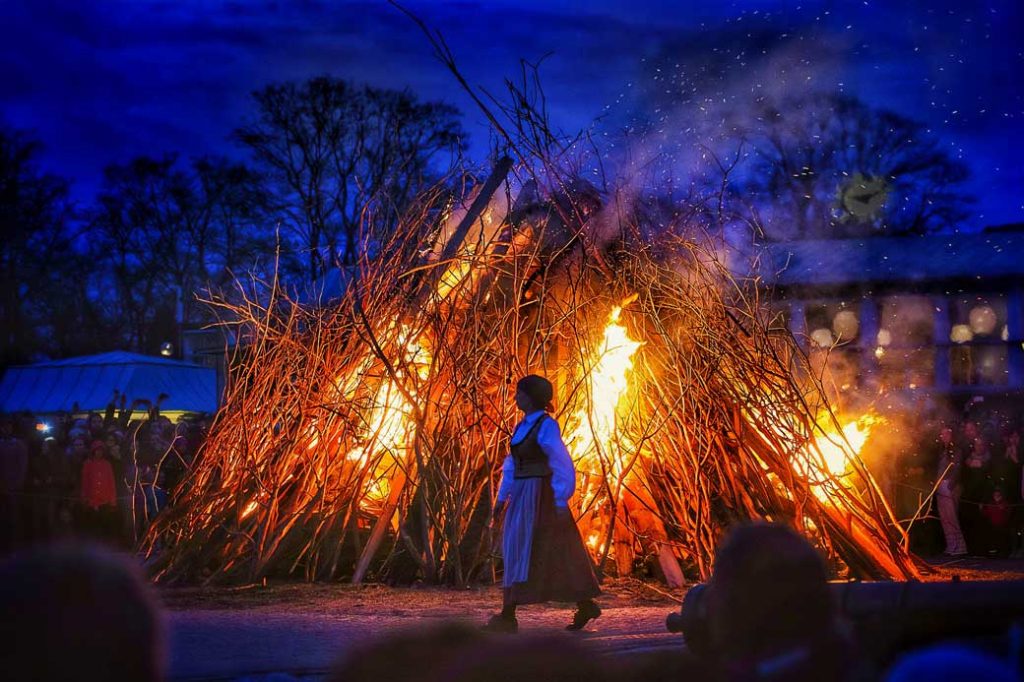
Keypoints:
(699, 100)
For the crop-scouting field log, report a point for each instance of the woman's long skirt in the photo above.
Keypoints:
(545, 559)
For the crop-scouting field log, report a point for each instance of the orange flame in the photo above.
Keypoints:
(831, 455)
(594, 437)
(389, 424)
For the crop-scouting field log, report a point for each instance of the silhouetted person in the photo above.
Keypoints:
(998, 515)
(75, 612)
(948, 466)
(770, 614)
(950, 663)
(974, 476)
(99, 492)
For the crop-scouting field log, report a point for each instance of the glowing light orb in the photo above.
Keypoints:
(846, 325)
(822, 338)
(961, 333)
(982, 319)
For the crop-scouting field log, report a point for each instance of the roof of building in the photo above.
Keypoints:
(824, 262)
(89, 382)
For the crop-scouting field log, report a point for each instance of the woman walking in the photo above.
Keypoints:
(544, 556)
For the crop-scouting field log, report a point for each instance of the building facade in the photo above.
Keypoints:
(942, 314)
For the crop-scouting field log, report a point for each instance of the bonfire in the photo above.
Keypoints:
(365, 437)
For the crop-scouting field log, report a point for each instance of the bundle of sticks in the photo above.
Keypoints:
(364, 436)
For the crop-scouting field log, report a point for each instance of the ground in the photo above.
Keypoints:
(297, 631)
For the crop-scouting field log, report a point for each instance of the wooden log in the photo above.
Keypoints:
(383, 521)
(670, 567)
(498, 175)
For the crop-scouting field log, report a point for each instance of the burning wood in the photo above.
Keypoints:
(685, 410)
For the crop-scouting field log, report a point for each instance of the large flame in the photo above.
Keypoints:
(389, 428)
(594, 434)
(829, 458)
(834, 450)
(390, 424)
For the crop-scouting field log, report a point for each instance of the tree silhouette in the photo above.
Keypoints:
(339, 155)
(36, 250)
(165, 233)
(818, 157)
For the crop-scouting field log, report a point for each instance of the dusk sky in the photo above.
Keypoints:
(100, 82)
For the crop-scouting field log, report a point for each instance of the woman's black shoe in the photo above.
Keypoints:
(502, 624)
(585, 612)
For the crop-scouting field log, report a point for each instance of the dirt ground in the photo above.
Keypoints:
(297, 631)
(370, 599)
(375, 599)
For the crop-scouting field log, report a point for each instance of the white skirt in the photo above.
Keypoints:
(520, 519)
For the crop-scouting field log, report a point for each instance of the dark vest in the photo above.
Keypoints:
(530, 459)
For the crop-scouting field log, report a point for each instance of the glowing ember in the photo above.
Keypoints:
(249, 509)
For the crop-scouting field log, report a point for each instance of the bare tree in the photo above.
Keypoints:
(135, 207)
(36, 249)
(336, 152)
(829, 165)
(167, 233)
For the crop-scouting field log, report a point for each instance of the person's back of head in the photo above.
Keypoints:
(405, 656)
(75, 612)
(770, 614)
(457, 653)
(553, 658)
(950, 663)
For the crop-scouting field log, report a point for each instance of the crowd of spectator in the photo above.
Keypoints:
(965, 476)
(100, 476)
(105, 476)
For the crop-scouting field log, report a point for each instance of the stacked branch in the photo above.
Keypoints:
(365, 436)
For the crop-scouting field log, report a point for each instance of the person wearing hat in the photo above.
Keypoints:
(544, 556)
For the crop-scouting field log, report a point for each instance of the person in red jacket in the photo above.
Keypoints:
(99, 493)
(998, 514)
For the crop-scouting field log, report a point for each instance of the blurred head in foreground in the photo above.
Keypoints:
(76, 612)
(950, 663)
(770, 615)
(457, 653)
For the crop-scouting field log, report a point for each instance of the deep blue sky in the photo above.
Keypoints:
(102, 81)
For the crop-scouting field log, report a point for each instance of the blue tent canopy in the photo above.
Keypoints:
(90, 381)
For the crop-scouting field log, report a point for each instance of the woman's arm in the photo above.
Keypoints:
(563, 473)
(508, 471)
